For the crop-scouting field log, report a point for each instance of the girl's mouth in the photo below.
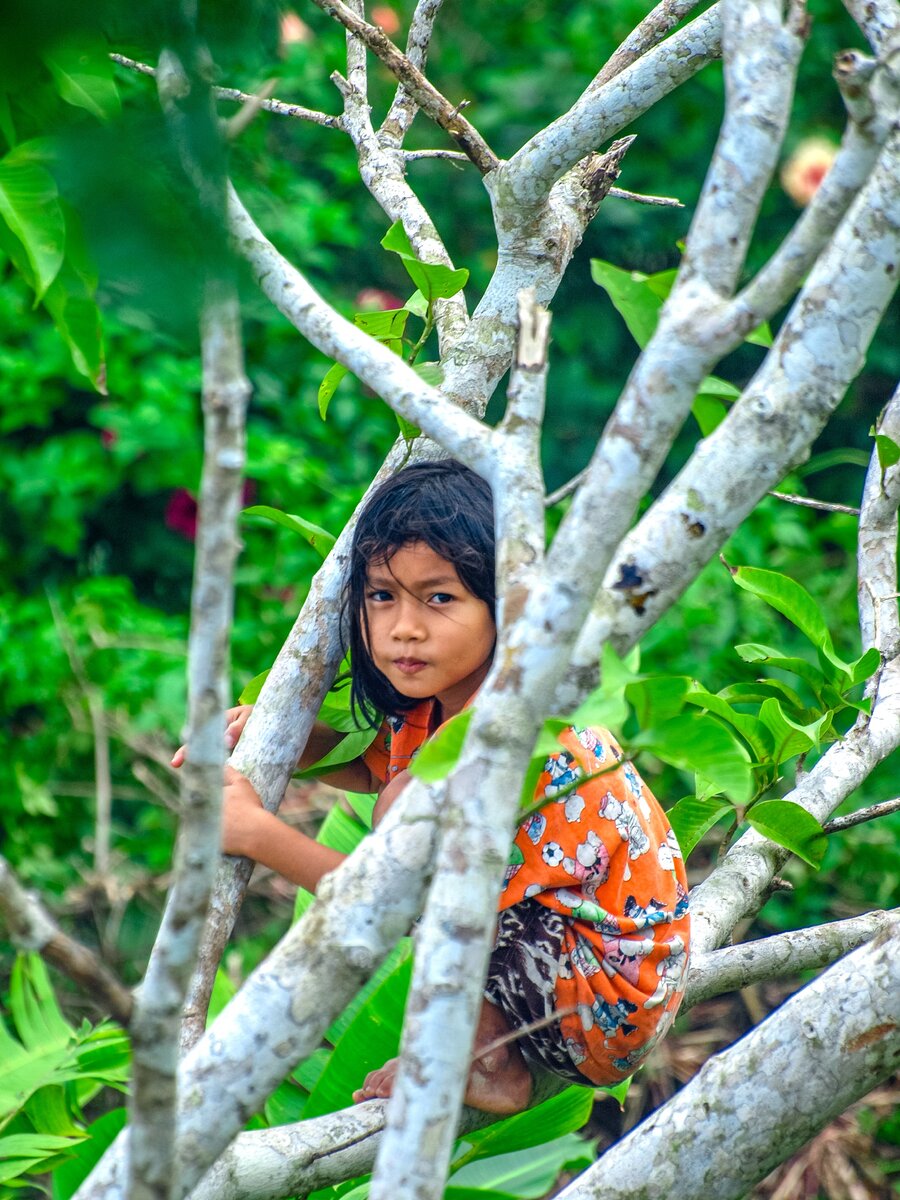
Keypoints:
(409, 666)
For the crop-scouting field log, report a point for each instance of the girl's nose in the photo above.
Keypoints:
(408, 620)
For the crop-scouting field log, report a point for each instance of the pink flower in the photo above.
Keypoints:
(373, 299)
(293, 31)
(108, 438)
(806, 168)
(386, 17)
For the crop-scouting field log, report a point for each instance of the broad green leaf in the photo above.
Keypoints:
(761, 336)
(251, 691)
(790, 826)
(385, 325)
(49, 1112)
(791, 599)
(77, 318)
(703, 745)
(888, 451)
(417, 305)
(340, 832)
(363, 804)
(407, 429)
(455, 1193)
(662, 282)
(308, 1073)
(792, 737)
(439, 755)
(765, 689)
(832, 458)
(525, 1173)
(750, 728)
(347, 750)
(286, 1104)
(721, 388)
(431, 372)
(33, 1005)
(756, 652)
(21, 1153)
(329, 385)
(400, 953)
(562, 1114)
(657, 698)
(691, 818)
(606, 706)
(223, 993)
(865, 666)
(83, 1157)
(84, 77)
(636, 303)
(709, 413)
(29, 204)
(433, 280)
(320, 540)
(371, 1038)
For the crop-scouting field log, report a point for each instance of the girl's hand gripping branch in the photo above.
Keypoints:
(235, 720)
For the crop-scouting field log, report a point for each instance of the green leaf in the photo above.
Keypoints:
(339, 831)
(751, 730)
(371, 1038)
(636, 302)
(790, 826)
(755, 652)
(329, 385)
(701, 744)
(29, 203)
(791, 737)
(888, 451)
(84, 78)
(417, 305)
(439, 755)
(866, 666)
(793, 601)
(525, 1173)
(606, 706)
(761, 336)
(407, 429)
(721, 388)
(388, 325)
(691, 818)
(286, 1104)
(251, 691)
(658, 698)
(433, 280)
(320, 540)
(562, 1114)
(77, 317)
(101, 1134)
(22, 1153)
(709, 413)
(347, 750)
(431, 372)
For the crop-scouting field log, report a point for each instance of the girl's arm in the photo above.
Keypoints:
(249, 830)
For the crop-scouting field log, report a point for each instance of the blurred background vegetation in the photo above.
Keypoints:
(97, 508)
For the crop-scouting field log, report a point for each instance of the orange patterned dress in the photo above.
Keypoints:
(600, 854)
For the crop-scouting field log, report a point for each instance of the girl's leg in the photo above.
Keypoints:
(499, 1080)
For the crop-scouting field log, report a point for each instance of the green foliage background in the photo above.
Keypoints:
(95, 489)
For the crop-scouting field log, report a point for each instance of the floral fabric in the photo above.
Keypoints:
(600, 852)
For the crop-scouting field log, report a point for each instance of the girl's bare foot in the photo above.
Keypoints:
(499, 1081)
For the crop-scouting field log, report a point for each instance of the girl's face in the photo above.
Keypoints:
(427, 633)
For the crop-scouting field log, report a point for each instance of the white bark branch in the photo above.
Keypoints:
(878, 19)
(404, 107)
(877, 552)
(649, 33)
(750, 1107)
(779, 956)
(601, 113)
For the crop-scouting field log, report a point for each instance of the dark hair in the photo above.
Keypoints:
(449, 508)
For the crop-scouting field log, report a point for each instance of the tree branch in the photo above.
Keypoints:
(751, 1106)
(649, 33)
(32, 928)
(784, 954)
(877, 552)
(269, 104)
(404, 107)
(872, 813)
(425, 94)
(878, 19)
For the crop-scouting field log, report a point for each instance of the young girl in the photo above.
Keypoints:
(592, 932)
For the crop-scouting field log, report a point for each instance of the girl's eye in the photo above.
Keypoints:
(378, 595)
(441, 598)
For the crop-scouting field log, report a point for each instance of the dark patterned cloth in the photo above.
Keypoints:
(521, 982)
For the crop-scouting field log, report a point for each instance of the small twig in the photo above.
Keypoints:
(654, 27)
(32, 928)
(453, 155)
(524, 1030)
(823, 505)
(566, 490)
(863, 814)
(281, 107)
(425, 94)
(640, 198)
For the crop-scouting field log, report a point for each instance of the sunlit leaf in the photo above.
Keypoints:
(434, 280)
(562, 1114)
(439, 755)
(251, 691)
(84, 77)
(525, 1173)
(320, 540)
(691, 818)
(790, 826)
(636, 303)
(390, 323)
(348, 749)
(29, 204)
(888, 451)
(83, 1157)
(329, 385)
(702, 745)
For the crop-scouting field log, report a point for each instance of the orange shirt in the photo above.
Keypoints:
(604, 856)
